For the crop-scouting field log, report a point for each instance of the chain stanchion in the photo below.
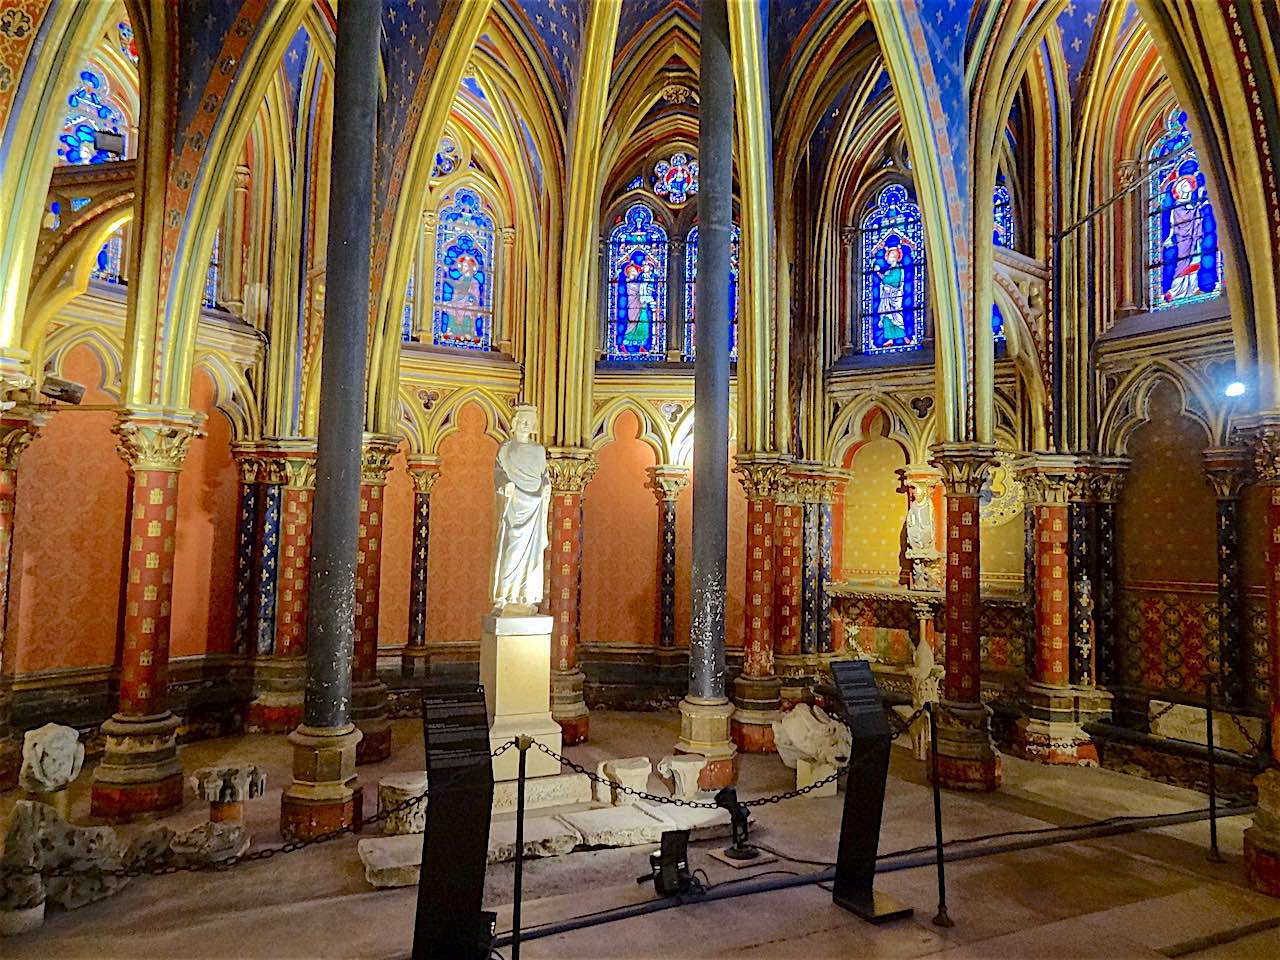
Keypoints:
(1214, 855)
(941, 919)
(523, 743)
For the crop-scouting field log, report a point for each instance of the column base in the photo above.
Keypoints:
(280, 683)
(1053, 733)
(140, 771)
(324, 796)
(569, 707)
(757, 704)
(369, 712)
(967, 756)
(705, 729)
(414, 663)
(1262, 840)
(10, 763)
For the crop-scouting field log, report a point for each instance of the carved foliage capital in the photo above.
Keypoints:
(570, 469)
(15, 437)
(1266, 454)
(300, 472)
(375, 460)
(156, 443)
(964, 467)
(667, 482)
(1227, 469)
(424, 473)
(761, 479)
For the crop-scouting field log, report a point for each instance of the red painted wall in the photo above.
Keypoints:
(620, 543)
(397, 546)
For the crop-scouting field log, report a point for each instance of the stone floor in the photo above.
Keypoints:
(1150, 894)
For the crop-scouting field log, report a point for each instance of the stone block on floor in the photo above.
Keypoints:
(543, 837)
(624, 826)
(560, 790)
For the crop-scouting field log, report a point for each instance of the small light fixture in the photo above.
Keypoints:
(1235, 389)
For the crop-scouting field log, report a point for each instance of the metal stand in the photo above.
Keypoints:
(1214, 855)
(523, 743)
(941, 919)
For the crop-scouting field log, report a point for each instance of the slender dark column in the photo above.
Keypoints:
(1227, 469)
(706, 712)
(336, 523)
(666, 482)
(323, 795)
(711, 367)
(1106, 481)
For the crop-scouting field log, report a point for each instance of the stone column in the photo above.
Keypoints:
(323, 796)
(1052, 733)
(16, 434)
(248, 546)
(140, 771)
(757, 691)
(788, 593)
(1227, 469)
(368, 693)
(705, 712)
(666, 482)
(1262, 840)
(570, 469)
(967, 758)
(233, 248)
(280, 669)
(424, 471)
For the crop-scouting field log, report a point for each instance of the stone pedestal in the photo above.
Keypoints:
(757, 703)
(967, 757)
(140, 771)
(325, 795)
(278, 706)
(705, 730)
(809, 772)
(515, 668)
(1262, 840)
(569, 707)
(1053, 733)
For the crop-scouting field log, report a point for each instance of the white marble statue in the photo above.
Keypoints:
(926, 687)
(51, 758)
(921, 551)
(524, 493)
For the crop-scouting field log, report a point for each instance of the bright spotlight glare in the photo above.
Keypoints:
(1235, 389)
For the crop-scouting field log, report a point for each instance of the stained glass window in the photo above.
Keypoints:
(691, 291)
(1002, 203)
(108, 265)
(406, 323)
(89, 111)
(636, 183)
(448, 157)
(997, 322)
(893, 273)
(126, 41)
(463, 298)
(637, 287)
(1185, 263)
(211, 275)
(676, 179)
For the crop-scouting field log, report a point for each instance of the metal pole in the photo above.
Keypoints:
(941, 919)
(336, 514)
(711, 365)
(523, 743)
(1214, 855)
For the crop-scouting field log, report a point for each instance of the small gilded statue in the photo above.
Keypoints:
(523, 495)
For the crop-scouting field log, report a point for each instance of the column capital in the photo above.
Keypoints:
(154, 438)
(1227, 470)
(16, 434)
(761, 474)
(1266, 453)
(964, 466)
(571, 468)
(424, 471)
(375, 458)
(667, 481)
(817, 482)
(1054, 478)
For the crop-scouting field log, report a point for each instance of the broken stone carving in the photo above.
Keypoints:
(630, 772)
(401, 788)
(51, 758)
(227, 788)
(926, 687)
(807, 732)
(682, 771)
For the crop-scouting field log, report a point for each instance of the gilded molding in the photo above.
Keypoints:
(156, 441)
(761, 475)
(1054, 480)
(1227, 470)
(570, 469)
(300, 472)
(424, 472)
(964, 466)
(1266, 454)
(249, 467)
(666, 482)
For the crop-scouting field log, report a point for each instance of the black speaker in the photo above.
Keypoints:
(455, 845)
(863, 711)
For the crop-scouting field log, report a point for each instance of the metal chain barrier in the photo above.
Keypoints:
(253, 856)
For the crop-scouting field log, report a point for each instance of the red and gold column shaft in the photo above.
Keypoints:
(570, 470)
(788, 539)
(369, 694)
(140, 771)
(295, 556)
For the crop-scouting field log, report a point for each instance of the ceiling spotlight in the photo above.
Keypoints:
(1234, 389)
